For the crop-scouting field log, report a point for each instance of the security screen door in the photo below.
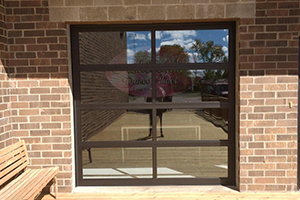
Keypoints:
(154, 103)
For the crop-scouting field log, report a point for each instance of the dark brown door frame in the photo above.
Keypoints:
(298, 155)
(78, 106)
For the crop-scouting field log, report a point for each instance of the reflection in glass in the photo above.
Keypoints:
(191, 124)
(192, 46)
(191, 86)
(115, 86)
(116, 47)
(115, 125)
(117, 163)
(192, 162)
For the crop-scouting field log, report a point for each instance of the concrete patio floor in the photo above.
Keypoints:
(169, 192)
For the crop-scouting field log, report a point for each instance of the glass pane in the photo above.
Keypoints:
(192, 162)
(192, 46)
(118, 47)
(115, 87)
(117, 163)
(115, 125)
(191, 86)
(189, 124)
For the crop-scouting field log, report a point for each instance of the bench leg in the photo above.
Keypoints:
(55, 187)
(90, 154)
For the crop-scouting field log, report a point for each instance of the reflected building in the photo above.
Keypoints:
(98, 48)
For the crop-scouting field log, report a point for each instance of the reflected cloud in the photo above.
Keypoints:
(225, 39)
(137, 36)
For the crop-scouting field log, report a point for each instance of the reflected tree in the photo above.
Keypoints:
(172, 54)
(208, 52)
(142, 57)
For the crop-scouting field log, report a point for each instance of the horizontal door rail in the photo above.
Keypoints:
(133, 106)
(179, 143)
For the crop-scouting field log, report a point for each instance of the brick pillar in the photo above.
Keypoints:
(40, 88)
(5, 126)
(268, 86)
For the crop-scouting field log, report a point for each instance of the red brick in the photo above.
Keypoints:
(294, 12)
(276, 43)
(25, 55)
(47, 54)
(24, 26)
(288, 5)
(275, 173)
(266, 6)
(25, 40)
(52, 154)
(277, 13)
(39, 133)
(265, 21)
(32, 3)
(265, 51)
(56, 32)
(39, 90)
(47, 40)
(266, 36)
(23, 11)
(264, 180)
(256, 29)
(257, 43)
(52, 139)
(33, 33)
(288, 20)
(31, 18)
(39, 61)
(264, 137)
(276, 58)
(39, 119)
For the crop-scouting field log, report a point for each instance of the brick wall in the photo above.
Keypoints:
(268, 83)
(100, 48)
(40, 88)
(38, 100)
(5, 127)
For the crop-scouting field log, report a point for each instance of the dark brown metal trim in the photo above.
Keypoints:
(171, 143)
(76, 102)
(164, 181)
(132, 67)
(155, 105)
(155, 27)
(298, 153)
(231, 96)
(78, 105)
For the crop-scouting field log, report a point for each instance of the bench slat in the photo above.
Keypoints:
(14, 185)
(11, 148)
(27, 184)
(43, 181)
(14, 159)
(12, 166)
(10, 154)
(14, 169)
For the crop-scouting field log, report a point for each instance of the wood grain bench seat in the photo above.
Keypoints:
(18, 182)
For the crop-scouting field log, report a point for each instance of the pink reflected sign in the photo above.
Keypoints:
(138, 83)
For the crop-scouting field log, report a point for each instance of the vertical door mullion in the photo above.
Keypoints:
(154, 111)
(231, 113)
(76, 100)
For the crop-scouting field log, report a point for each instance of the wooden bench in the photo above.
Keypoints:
(18, 182)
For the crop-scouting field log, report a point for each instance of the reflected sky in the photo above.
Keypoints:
(141, 41)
